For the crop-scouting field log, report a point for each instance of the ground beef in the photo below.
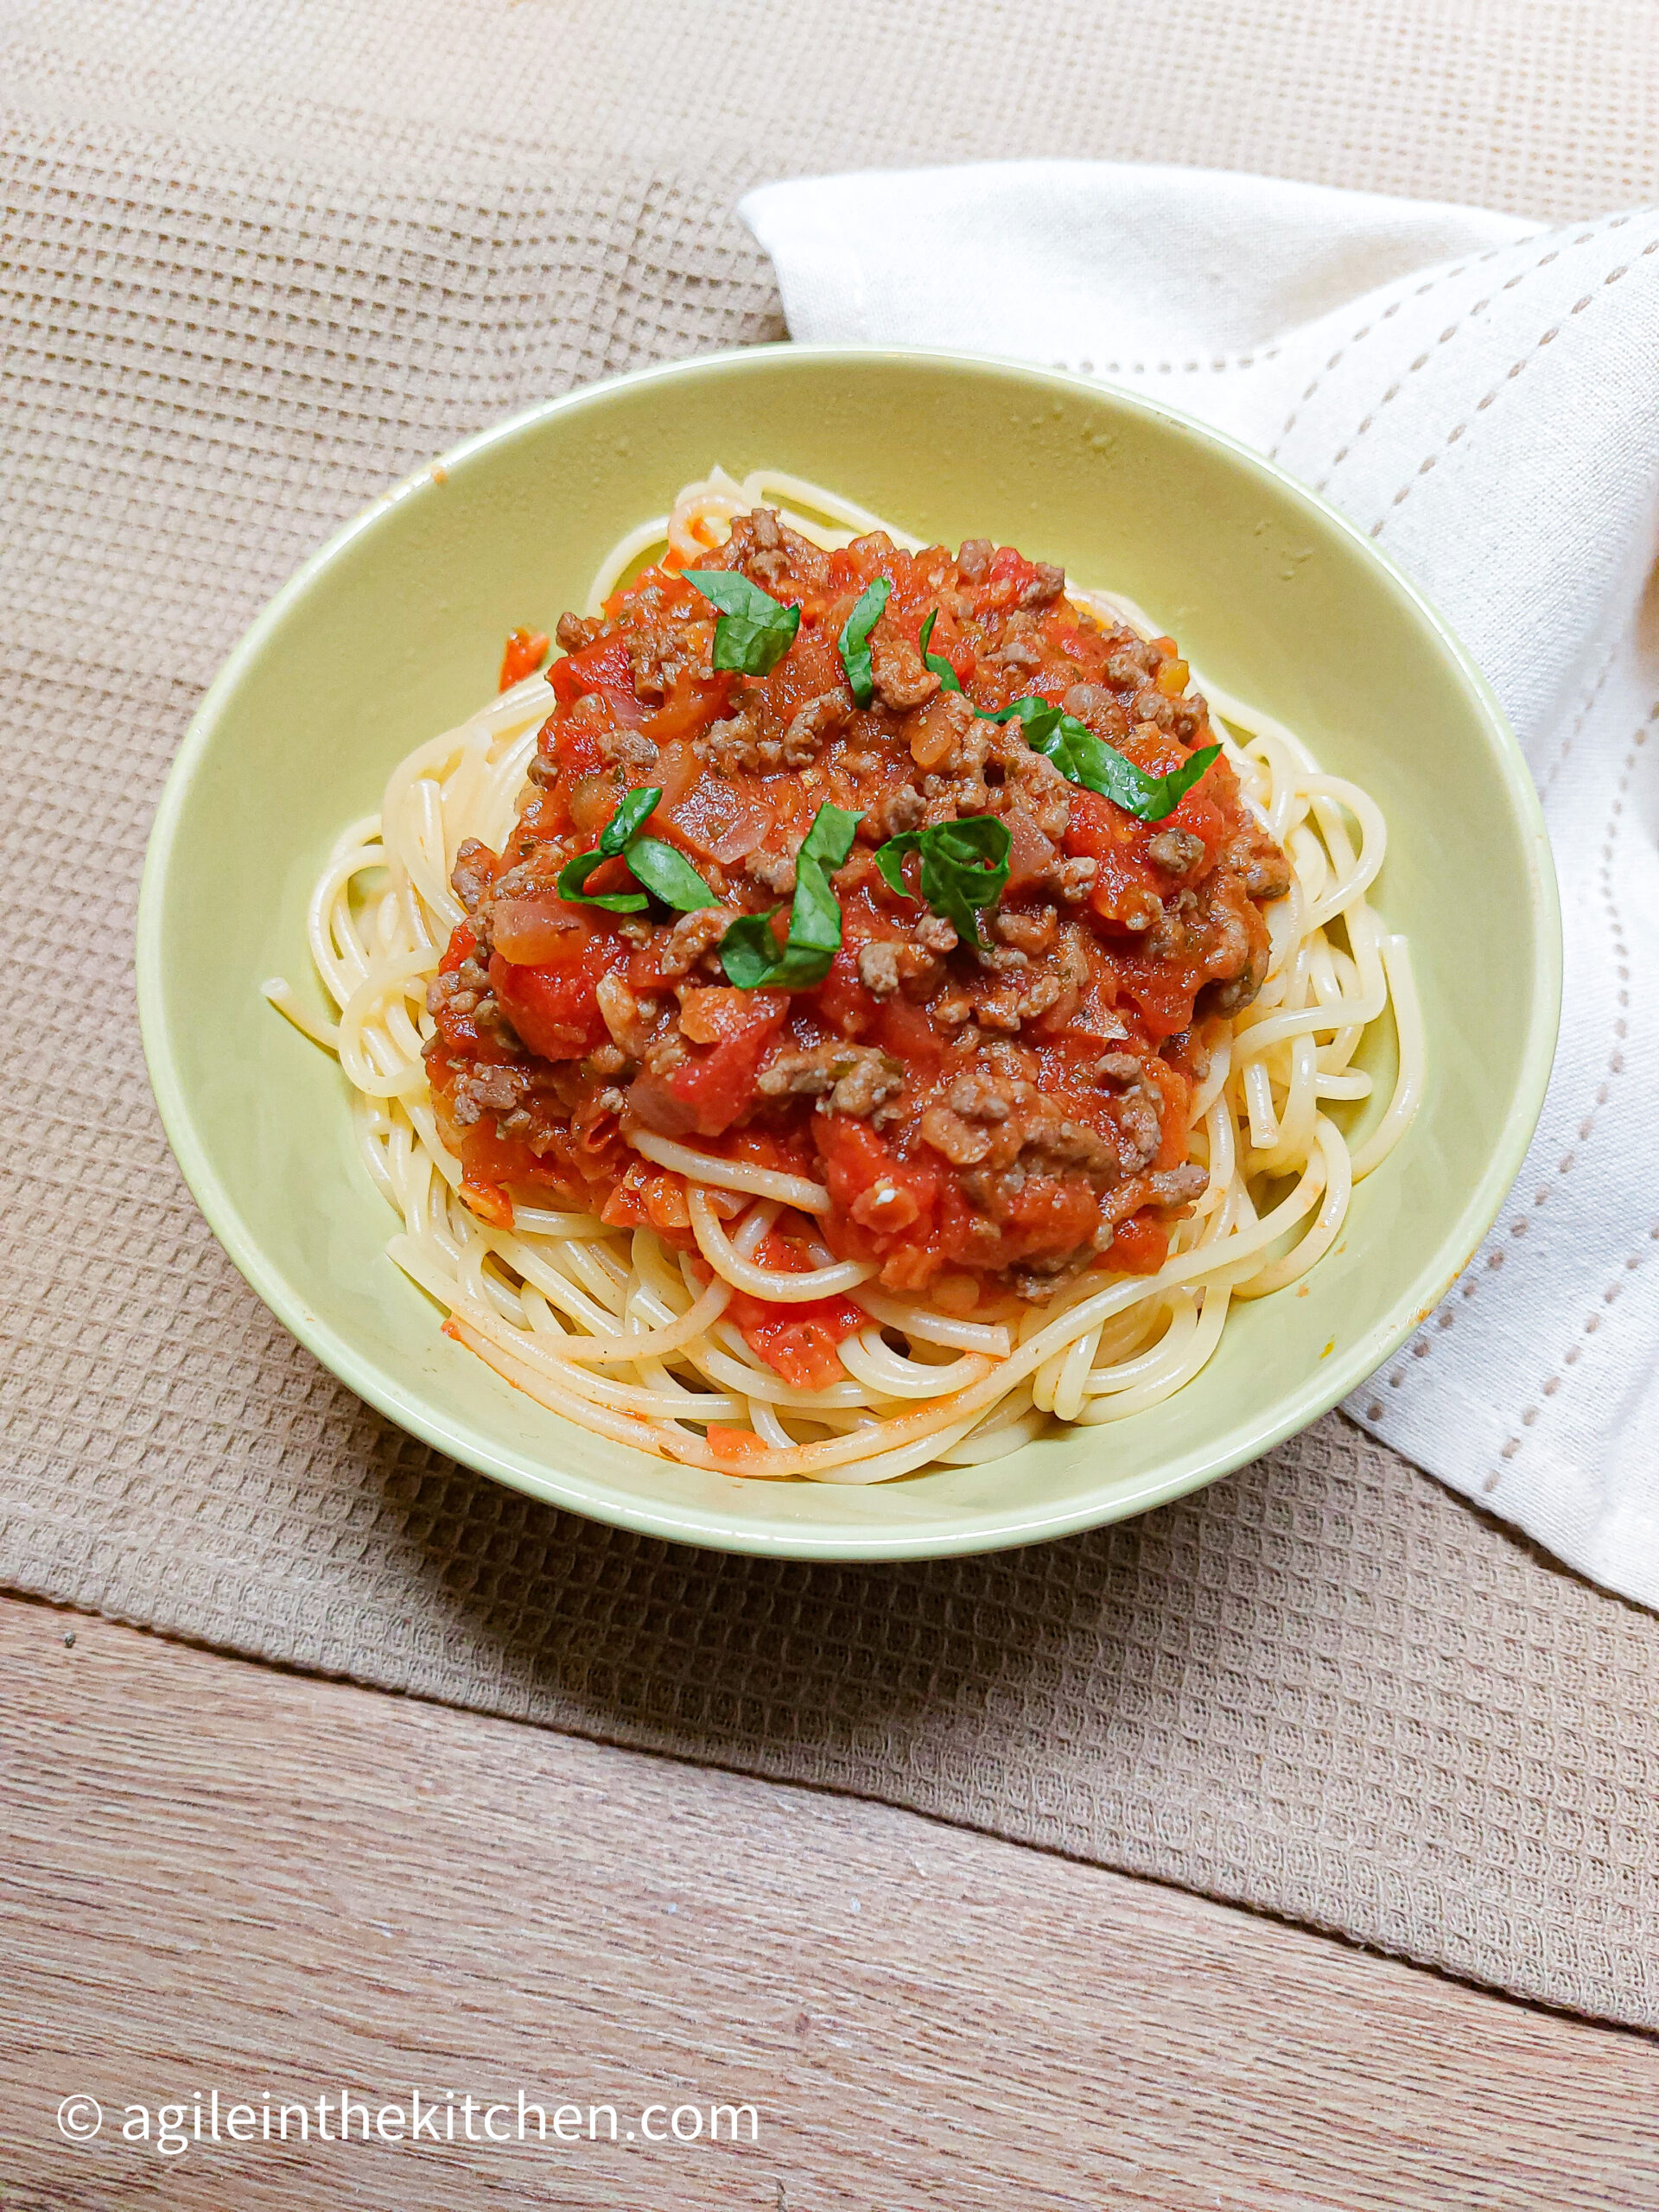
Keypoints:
(981, 1098)
(962, 1143)
(1045, 587)
(1260, 866)
(1070, 880)
(914, 965)
(493, 1090)
(1020, 1087)
(1031, 932)
(1217, 928)
(990, 1117)
(656, 656)
(735, 747)
(1032, 781)
(1176, 851)
(692, 938)
(1189, 718)
(768, 551)
(893, 812)
(1177, 1186)
(847, 1079)
(878, 967)
(901, 681)
(1119, 1068)
(743, 745)
(472, 872)
(773, 872)
(1011, 1008)
(1139, 1129)
(573, 632)
(631, 1019)
(459, 992)
(819, 719)
(922, 958)
(1237, 992)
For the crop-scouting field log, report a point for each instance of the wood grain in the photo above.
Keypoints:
(216, 1877)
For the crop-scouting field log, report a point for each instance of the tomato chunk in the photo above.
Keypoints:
(556, 1010)
(797, 1342)
(1140, 1246)
(526, 651)
(602, 666)
(462, 942)
(714, 1083)
(884, 1205)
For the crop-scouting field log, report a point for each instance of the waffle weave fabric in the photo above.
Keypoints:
(261, 260)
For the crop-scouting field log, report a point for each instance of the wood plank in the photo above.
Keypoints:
(217, 1877)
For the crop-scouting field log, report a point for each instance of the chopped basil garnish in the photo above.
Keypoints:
(964, 867)
(853, 643)
(936, 661)
(1079, 756)
(577, 872)
(749, 951)
(653, 863)
(754, 631)
(662, 868)
(1083, 758)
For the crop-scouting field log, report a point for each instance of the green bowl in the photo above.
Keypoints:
(393, 632)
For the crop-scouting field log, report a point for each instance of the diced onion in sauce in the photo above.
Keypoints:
(531, 932)
(677, 769)
(1030, 854)
(747, 834)
(592, 802)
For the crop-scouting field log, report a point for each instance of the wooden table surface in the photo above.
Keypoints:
(218, 1878)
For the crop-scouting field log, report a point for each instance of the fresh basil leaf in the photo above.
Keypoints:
(634, 808)
(936, 661)
(965, 868)
(853, 643)
(1083, 758)
(1030, 712)
(662, 868)
(801, 969)
(1172, 789)
(634, 811)
(651, 862)
(749, 951)
(573, 879)
(890, 859)
(750, 955)
(815, 914)
(754, 631)
(828, 840)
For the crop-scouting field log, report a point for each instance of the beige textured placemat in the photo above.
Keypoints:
(260, 259)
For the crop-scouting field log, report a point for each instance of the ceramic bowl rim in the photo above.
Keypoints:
(975, 1530)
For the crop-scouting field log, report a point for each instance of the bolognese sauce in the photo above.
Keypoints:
(994, 1108)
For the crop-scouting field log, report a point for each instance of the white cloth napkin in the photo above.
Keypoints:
(1482, 395)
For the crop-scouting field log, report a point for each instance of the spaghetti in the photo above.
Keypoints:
(709, 1294)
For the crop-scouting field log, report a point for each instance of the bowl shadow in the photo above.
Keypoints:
(953, 1683)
